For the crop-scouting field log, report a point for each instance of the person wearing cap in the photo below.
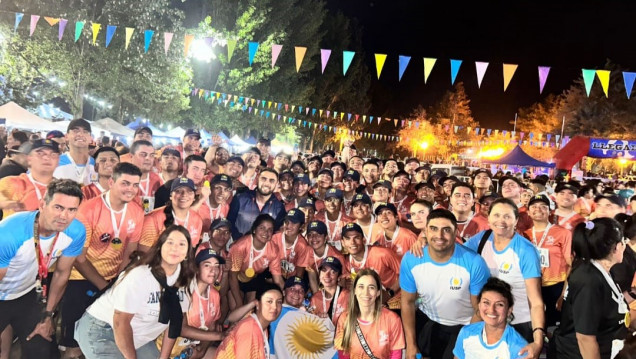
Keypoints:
(554, 243)
(141, 134)
(356, 163)
(482, 182)
(537, 186)
(426, 191)
(323, 183)
(248, 205)
(191, 143)
(331, 300)
(281, 162)
(297, 167)
(338, 169)
(449, 278)
(328, 157)
(300, 189)
(608, 206)
(202, 319)
(361, 256)
(234, 169)
(390, 169)
(143, 156)
(511, 189)
(194, 168)
(401, 197)
(14, 164)
(362, 210)
(285, 192)
(422, 174)
(169, 164)
(307, 205)
(25, 191)
(526, 194)
(217, 205)
(392, 236)
(314, 164)
(106, 158)
(317, 240)
(178, 210)
(462, 201)
(113, 223)
(381, 191)
(411, 165)
(484, 205)
(294, 249)
(446, 187)
(59, 138)
(264, 145)
(565, 216)
(350, 183)
(216, 237)
(333, 216)
(370, 174)
(77, 164)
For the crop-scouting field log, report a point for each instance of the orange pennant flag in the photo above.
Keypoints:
(187, 43)
(52, 20)
(300, 54)
(508, 72)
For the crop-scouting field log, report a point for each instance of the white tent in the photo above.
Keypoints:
(176, 132)
(18, 117)
(114, 127)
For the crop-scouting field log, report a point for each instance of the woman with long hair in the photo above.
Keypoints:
(148, 297)
(177, 211)
(367, 329)
(331, 300)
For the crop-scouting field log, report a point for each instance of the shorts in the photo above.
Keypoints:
(79, 295)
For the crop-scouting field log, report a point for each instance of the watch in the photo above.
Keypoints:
(48, 314)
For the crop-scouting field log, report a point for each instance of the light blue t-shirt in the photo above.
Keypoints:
(514, 264)
(78, 172)
(470, 344)
(17, 252)
(445, 288)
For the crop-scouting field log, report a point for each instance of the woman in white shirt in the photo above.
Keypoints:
(147, 298)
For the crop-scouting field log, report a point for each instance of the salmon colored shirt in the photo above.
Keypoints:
(383, 336)
(245, 340)
(466, 230)
(401, 242)
(371, 232)
(525, 222)
(267, 257)
(153, 226)
(334, 228)
(21, 189)
(91, 191)
(568, 222)
(559, 244)
(148, 187)
(103, 254)
(208, 214)
(584, 206)
(294, 256)
(321, 308)
(314, 261)
(382, 260)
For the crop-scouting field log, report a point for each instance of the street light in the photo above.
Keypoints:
(201, 51)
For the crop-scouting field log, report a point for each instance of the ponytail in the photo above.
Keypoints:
(167, 210)
(595, 239)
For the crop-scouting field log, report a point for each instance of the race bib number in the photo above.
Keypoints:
(544, 253)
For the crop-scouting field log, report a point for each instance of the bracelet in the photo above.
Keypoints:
(535, 329)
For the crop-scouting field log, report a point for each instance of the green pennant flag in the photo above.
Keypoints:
(79, 25)
(588, 79)
(231, 45)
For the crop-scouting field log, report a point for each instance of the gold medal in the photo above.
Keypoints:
(249, 272)
(116, 243)
(353, 275)
(628, 319)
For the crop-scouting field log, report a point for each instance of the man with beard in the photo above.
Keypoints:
(565, 215)
(106, 158)
(370, 175)
(77, 164)
(216, 158)
(143, 157)
(191, 143)
(246, 206)
(169, 164)
(511, 188)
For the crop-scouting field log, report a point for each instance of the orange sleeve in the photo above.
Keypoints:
(275, 264)
(236, 257)
(397, 333)
(139, 218)
(337, 341)
(85, 215)
(567, 245)
(149, 231)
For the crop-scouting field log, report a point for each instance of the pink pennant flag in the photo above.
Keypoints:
(275, 52)
(34, 23)
(167, 39)
(543, 77)
(324, 58)
(481, 71)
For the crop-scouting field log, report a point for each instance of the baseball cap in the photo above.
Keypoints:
(295, 216)
(298, 163)
(105, 149)
(286, 173)
(567, 186)
(353, 174)
(612, 198)
(482, 170)
(328, 153)
(54, 134)
(307, 202)
(302, 177)
(79, 123)
(265, 141)
(219, 223)
(383, 205)
(28, 147)
(539, 198)
(192, 132)
(182, 182)
(423, 168)
(143, 129)
(361, 197)
(206, 254)
(170, 151)
(326, 171)
(237, 159)
(334, 193)
(221, 178)
(412, 159)
(351, 227)
(292, 281)
(333, 263)
(401, 173)
(383, 183)
(424, 184)
(318, 227)
(509, 178)
(449, 178)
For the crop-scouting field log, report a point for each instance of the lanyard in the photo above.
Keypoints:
(185, 223)
(265, 340)
(470, 219)
(141, 187)
(587, 204)
(201, 316)
(398, 204)
(249, 183)
(318, 260)
(252, 250)
(364, 260)
(284, 248)
(80, 174)
(218, 210)
(334, 299)
(393, 237)
(113, 219)
(616, 292)
(543, 237)
(99, 187)
(43, 261)
(35, 183)
(565, 219)
(335, 229)
(367, 238)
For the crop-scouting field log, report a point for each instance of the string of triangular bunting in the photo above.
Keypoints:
(325, 55)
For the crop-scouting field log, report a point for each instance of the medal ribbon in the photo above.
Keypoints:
(43, 261)
(113, 219)
(543, 237)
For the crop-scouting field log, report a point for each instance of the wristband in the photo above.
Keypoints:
(535, 329)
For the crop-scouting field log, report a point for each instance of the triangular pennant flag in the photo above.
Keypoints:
(395, 122)
(349, 117)
(300, 55)
(320, 113)
(208, 41)
(379, 63)
(429, 62)
(52, 20)
(79, 25)
(508, 72)
(379, 120)
(110, 32)
(129, 34)
(276, 49)
(293, 108)
(231, 45)
(324, 58)
(403, 63)
(628, 78)
(481, 71)
(252, 47)
(603, 76)
(455, 65)
(347, 57)
(167, 39)
(306, 111)
(34, 23)
(588, 79)
(147, 39)
(18, 19)
(187, 42)
(96, 27)
(543, 77)
(62, 27)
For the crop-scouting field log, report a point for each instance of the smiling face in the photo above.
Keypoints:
(221, 236)
(441, 234)
(182, 197)
(221, 156)
(387, 219)
(462, 200)
(78, 137)
(316, 240)
(332, 204)
(267, 182)
(367, 290)
(234, 169)
(125, 188)
(370, 173)
(105, 162)
(361, 211)
(295, 295)
(221, 192)
(381, 194)
(353, 242)
(356, 164)
(502, 220)
(426, 193)
(566, 199)
(338, 172)
(539, 212)
(494, 309)
(175, 249)
(290, 228)
(191, 143)
(328, 277)
(390, 168)
(324, 180)
(300, 189)
(263, 233)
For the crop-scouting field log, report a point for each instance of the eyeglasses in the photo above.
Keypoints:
(44, 154)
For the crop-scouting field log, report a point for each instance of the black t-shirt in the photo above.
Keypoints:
(623, 273)
(162, 195)
(589, 309)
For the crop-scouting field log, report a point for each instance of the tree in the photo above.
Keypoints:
(542, 117)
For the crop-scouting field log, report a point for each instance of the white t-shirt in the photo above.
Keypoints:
(81, 173)
(139, 293)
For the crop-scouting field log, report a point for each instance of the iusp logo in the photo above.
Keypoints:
(456, 283)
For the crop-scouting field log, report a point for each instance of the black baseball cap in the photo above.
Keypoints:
(482, 170)
(424, 184)
(219, 223)
(28, 147)
(328, 153)
(182, 182)
(206, 254)
(334, 193)
(54, 134)
(302, 177)
(318, 227)
(79, 123)
(286, 173)
(333, 263)
(299, 163)
(292, 281)
(221, 178)
(423, 168)
(192, 132)
(361, 197)
(295, 216)
(351, 227)
(567, 186)
(353, 174)
(307, 202)
(412, 159)
(383, 205)
(614, 198)
(265, 141)
(449, 178)
(539, 198)
(237, 159)
(143, 129)
(401, 173)
(383, 183)
(170, 151)
(511, 178)
(105, 149)
(326, 171)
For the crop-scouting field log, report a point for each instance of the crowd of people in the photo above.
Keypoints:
(190, 252)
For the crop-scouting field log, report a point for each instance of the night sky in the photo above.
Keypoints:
(565, 35)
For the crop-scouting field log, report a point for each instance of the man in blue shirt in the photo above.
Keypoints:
(447, 279)
(246, 206)
(28, 293)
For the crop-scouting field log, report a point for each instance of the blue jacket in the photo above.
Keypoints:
(244, 210)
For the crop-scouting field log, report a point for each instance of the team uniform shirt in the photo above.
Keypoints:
(334, 228)
(103, 251)
(514, 264)
(244, 210)
(568, 222)
(92, 190)
(137, 292)
(319, 305)
(554, 251)
(153, 226)
(400, 243)
(24, 189)
(209, 214)
(346, 204)
(17, 251)
(525, 222)
(284, 200)
(80, 173)
(371, 231)
(584, 206)
(445, 288)
(314, 261)
(383, 336)
(260, 260)
(470, 343)
(472, 226)
(403, 206)
(146, 194)
(382, 260)
(293, 257)
(246, 340)
(318, 203)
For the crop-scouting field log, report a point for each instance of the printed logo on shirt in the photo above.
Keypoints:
(155, 297)
(57, 253)
(193, 229)
(550, 240)
(456, 283)
(505, 268)
(131, 226)
(383, 339)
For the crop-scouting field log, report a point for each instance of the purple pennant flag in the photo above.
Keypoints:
(208, 41)
(324, 58)
(60, 31)
(543, 77)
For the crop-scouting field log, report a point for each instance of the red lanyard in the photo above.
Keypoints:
(43, 261)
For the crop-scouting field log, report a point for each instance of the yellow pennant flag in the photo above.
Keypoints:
(300, 54)
(429, 62)
(320, 113)
(52, 20)
(293, 108)
(129, 34)
(269, 104)
(508, 72)
(96, 28)
(379, 63)
(187, 43)
(603, 76)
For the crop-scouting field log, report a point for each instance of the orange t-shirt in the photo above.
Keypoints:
(244, 341)
(525, 222)
(208, 215)
(314, 261)
(371, 232)
(91, 191)
(466, 230)
(568, 222)
(20, 188)
(559, 245)
(148, 187)
(382, 260)
(126, 157)
(403, 207)
(320, 307)
(584, 206)
(267, 257)
(383, 336)
(103, 254)
(295, 256)
(153, 226)
(334, 229)
(401, 242)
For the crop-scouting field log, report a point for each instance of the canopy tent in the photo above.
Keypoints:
(18, 117)
(518, 157)
(114, 127)
(156, 132)
(176, 132)
(50, 112)
(251, 140)
(237, 142)
(223, 136)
